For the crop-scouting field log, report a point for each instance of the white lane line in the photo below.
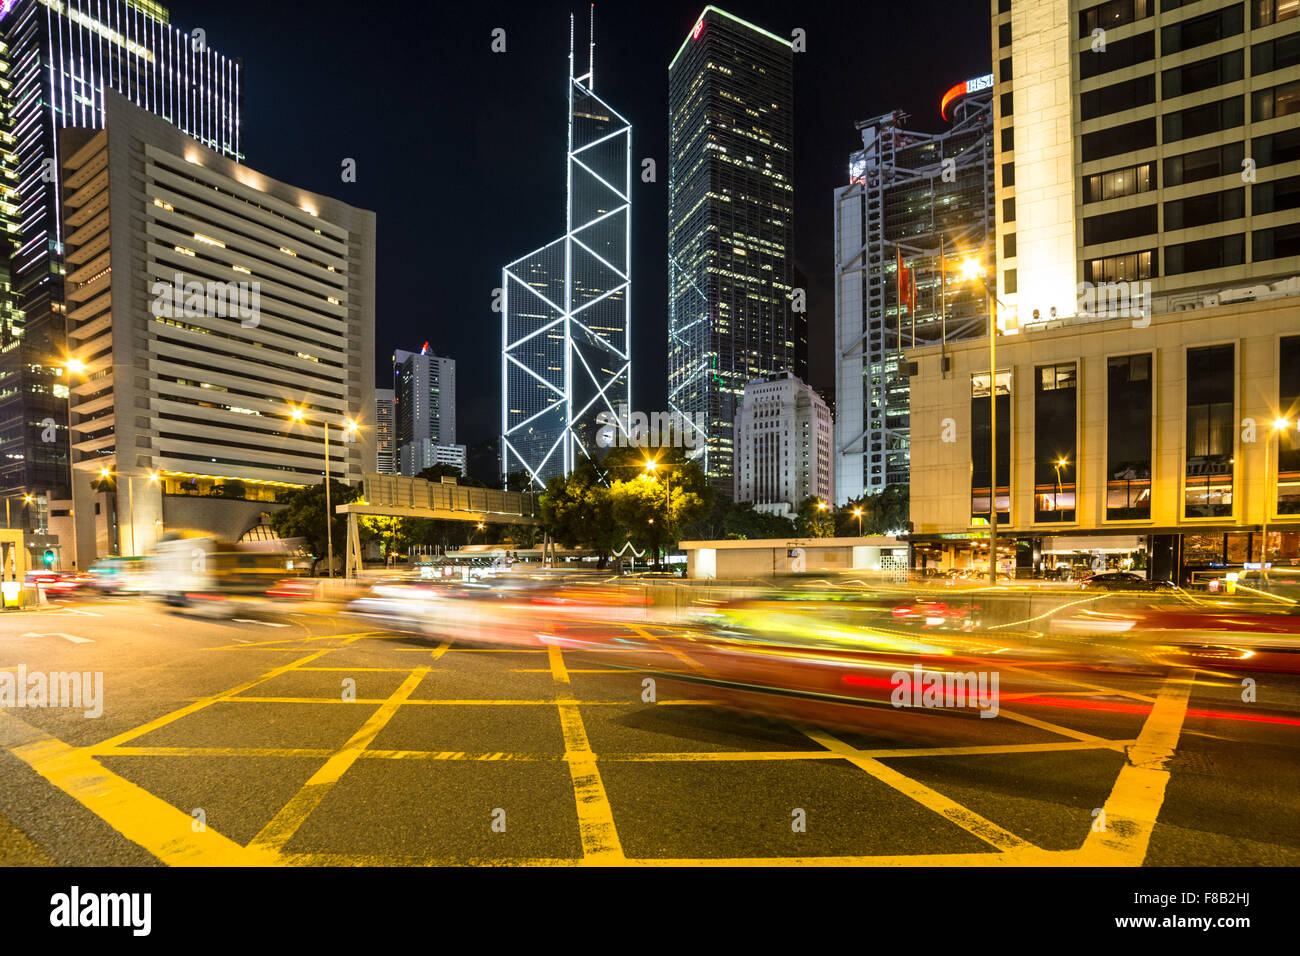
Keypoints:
(67, 637)
(73, 610)
(249, 620)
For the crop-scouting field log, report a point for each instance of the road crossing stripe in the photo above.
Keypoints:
(285, 824)
(600, 843)
(1130, 812)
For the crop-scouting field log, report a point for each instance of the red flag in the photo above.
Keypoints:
(906, 285)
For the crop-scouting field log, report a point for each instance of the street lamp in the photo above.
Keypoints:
(349, 427)
(651, 467)
(857, 513)
(973, 269)
(1278, 425)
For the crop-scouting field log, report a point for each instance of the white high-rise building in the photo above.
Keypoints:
(783, 444)
(218, 322)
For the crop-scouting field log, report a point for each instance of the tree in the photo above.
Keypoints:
(385, 529)
(305, 516)
(519, 481)
(745, 521)
(884, 512)
(577, 511)
(813, 521)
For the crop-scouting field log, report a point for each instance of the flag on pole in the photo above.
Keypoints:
(906, 285)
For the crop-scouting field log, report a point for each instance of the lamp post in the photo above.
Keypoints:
(73, 367)
(857, 513)
(652, 467)
(972, 269)
(1278, 425)
(350, 427)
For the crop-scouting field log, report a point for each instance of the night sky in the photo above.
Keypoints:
(461, 151)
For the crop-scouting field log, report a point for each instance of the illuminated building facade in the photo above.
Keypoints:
(63, 55)
(730, 224)
(224, 321)
(783, 445)
(385, 446)
(566, 320)
(921, 195)
(424, 410)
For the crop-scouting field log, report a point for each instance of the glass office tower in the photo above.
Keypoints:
(61, 57)
(566, 324)
(730, 224)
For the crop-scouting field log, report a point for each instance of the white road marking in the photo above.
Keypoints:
(249, 620)
(67, 637)
(73, 610)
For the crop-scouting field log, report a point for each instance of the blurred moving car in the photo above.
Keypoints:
(1122, 581)
(213, 576)
(56, 582)
(120, 575)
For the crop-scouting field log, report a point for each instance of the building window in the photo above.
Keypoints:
(1119, 182)
(981, 439)
(1265, 12)
(1117, 55)
(1126, 267)
(1114, 226)
(1211, 372)
(1276, 195)
(1218, 253)
(1275, 54)
(1009, 245)
(1200, 30)
(1004, 34)
(1279, 101)
(1008, 174)
(1116, 13)
(1004, 70)
(1204, 164)
(1288, 440)
(1006, 104)
(1055, 409)
(1194, 77)
(1008, 139)
(1205, 209)
(1128, 438)
(1009, 209)
(1280, 243)
(1125, 138)
(1279, 148)
(1009, 281)
(1203, 120)
(1118, 97)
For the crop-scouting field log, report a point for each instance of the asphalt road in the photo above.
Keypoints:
(295, 736)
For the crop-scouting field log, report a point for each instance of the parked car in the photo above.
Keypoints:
(1122, 581)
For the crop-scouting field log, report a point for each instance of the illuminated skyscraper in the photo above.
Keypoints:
(62, 56)
(919, 196)
(566, 324)
(730, 223)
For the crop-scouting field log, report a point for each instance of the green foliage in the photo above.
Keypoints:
(305, 516)
(745, 521)
(600, 507)
(883, 512)
(812, 521)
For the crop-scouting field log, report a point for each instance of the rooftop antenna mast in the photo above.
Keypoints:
(591, 50)
(570, 47)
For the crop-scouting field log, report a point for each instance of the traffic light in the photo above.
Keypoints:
(49, 557)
